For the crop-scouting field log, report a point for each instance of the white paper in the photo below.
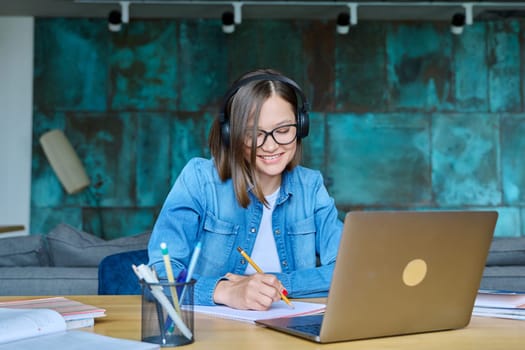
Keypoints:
(278, 309)
(24, 323)
(31, 329)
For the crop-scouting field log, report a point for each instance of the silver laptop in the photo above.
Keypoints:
(400, 272)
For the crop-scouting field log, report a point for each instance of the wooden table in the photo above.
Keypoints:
(11, 228)
(123, 321)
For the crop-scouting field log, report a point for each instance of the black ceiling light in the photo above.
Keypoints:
(457, 24)
(347, 19)
(115, 21)
(228, 24)
(116, 17)
(343, 23)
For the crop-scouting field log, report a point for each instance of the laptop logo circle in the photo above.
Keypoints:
(414, 272)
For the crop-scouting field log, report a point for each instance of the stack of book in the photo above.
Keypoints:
(47, 323)
(76, 314)
(501, 304)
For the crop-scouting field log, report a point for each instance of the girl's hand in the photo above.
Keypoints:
(253, 292)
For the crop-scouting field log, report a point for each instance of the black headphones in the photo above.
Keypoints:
(303, 124)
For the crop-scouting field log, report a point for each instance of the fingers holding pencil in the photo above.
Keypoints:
(282, 291)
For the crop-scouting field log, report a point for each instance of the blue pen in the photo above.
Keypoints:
(185, 276)
(191, 267)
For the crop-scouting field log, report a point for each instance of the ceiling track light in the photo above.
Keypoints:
(346, 19)
(231, 19)
(459, 20)
(117, 18)
(228, 23)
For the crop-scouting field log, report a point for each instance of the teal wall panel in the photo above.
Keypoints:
(360, 81)
(70, 71)
(403, 114)
(470, 70)
(203, 69)
(465, 164)
(189, 138)
(379, 160)
(106, 143)
(512, 158)
(152, 149)
(118, 222)
(504, 66)
(419, 66)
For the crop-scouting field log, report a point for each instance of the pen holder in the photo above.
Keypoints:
(166, 320)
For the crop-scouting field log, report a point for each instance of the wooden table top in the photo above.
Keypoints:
(124, 314)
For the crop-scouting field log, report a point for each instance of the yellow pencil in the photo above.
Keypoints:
(169, 274)
(258, 269)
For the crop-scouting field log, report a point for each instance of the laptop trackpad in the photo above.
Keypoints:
(310, 324)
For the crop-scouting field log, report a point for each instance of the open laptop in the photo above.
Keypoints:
(400, 272)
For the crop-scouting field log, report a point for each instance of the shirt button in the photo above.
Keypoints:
(285, 263)
(277, 232)
(252, 230)
(243, 261)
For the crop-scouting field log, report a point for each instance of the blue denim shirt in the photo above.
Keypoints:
(201, 207)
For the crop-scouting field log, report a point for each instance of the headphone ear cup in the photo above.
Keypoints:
(303, 124)
(225, 132)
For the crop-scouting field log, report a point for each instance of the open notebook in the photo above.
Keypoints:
(400, 272)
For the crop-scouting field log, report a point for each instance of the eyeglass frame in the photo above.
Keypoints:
(270, 133)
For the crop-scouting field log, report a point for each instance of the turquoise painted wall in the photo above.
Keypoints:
(404, 114)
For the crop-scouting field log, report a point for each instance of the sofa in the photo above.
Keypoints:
(65, 261)
(505, 265)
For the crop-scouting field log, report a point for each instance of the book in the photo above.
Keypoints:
(498, 298)
(29, 329)
(75, 313)
(278, 309)
(501, 304)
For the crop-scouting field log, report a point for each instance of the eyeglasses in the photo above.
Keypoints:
(282, 135)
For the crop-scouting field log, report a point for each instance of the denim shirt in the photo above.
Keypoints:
(202, 207)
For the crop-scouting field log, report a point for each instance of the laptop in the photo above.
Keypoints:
(400, 272)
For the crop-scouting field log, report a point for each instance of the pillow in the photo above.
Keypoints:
(507, 251)
(23, 251)
(72, 247)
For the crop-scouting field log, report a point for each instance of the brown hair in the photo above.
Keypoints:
(245, 104)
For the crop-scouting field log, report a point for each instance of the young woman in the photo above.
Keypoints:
(252, 194)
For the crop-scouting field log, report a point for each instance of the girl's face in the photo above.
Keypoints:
(277, 116)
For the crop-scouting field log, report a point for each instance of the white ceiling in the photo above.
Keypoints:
(308, 9)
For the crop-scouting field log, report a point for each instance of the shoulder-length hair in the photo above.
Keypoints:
(243, 106)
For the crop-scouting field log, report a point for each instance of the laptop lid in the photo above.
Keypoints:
(402, 272)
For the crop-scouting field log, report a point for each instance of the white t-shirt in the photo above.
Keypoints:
(265, 251)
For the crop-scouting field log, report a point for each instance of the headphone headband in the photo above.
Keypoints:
(302, 111)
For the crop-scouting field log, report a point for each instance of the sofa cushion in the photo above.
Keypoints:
(507, 251)
(23, 251)
(504, 278)
(69, 246)
(47, 280)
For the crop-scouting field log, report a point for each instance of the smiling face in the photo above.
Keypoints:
(272, 158)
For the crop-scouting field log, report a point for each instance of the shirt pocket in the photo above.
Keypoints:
(302, 242)
(217, 243)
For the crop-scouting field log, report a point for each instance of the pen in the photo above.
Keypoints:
(191, 267)
(258, 269)
(169, 274)
(185, 276)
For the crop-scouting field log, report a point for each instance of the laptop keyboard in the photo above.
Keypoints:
(307, 328)
(310, 324)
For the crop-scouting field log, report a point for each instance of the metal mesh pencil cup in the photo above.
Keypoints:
(167, 320)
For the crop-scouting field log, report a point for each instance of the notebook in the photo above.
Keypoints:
(400, 272)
